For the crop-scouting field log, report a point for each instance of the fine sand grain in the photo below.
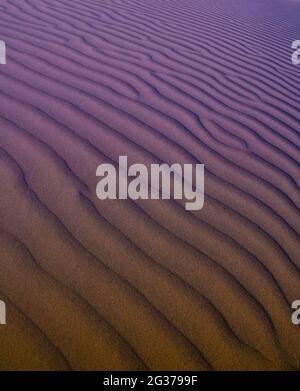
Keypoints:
(132, 285)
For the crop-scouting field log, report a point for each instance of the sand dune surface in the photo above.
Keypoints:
(146, 284)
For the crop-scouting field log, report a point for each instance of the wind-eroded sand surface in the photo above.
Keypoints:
(92, 284)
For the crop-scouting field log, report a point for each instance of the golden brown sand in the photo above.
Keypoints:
(130, 285)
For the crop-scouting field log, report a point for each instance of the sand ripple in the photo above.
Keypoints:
(92, 284)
